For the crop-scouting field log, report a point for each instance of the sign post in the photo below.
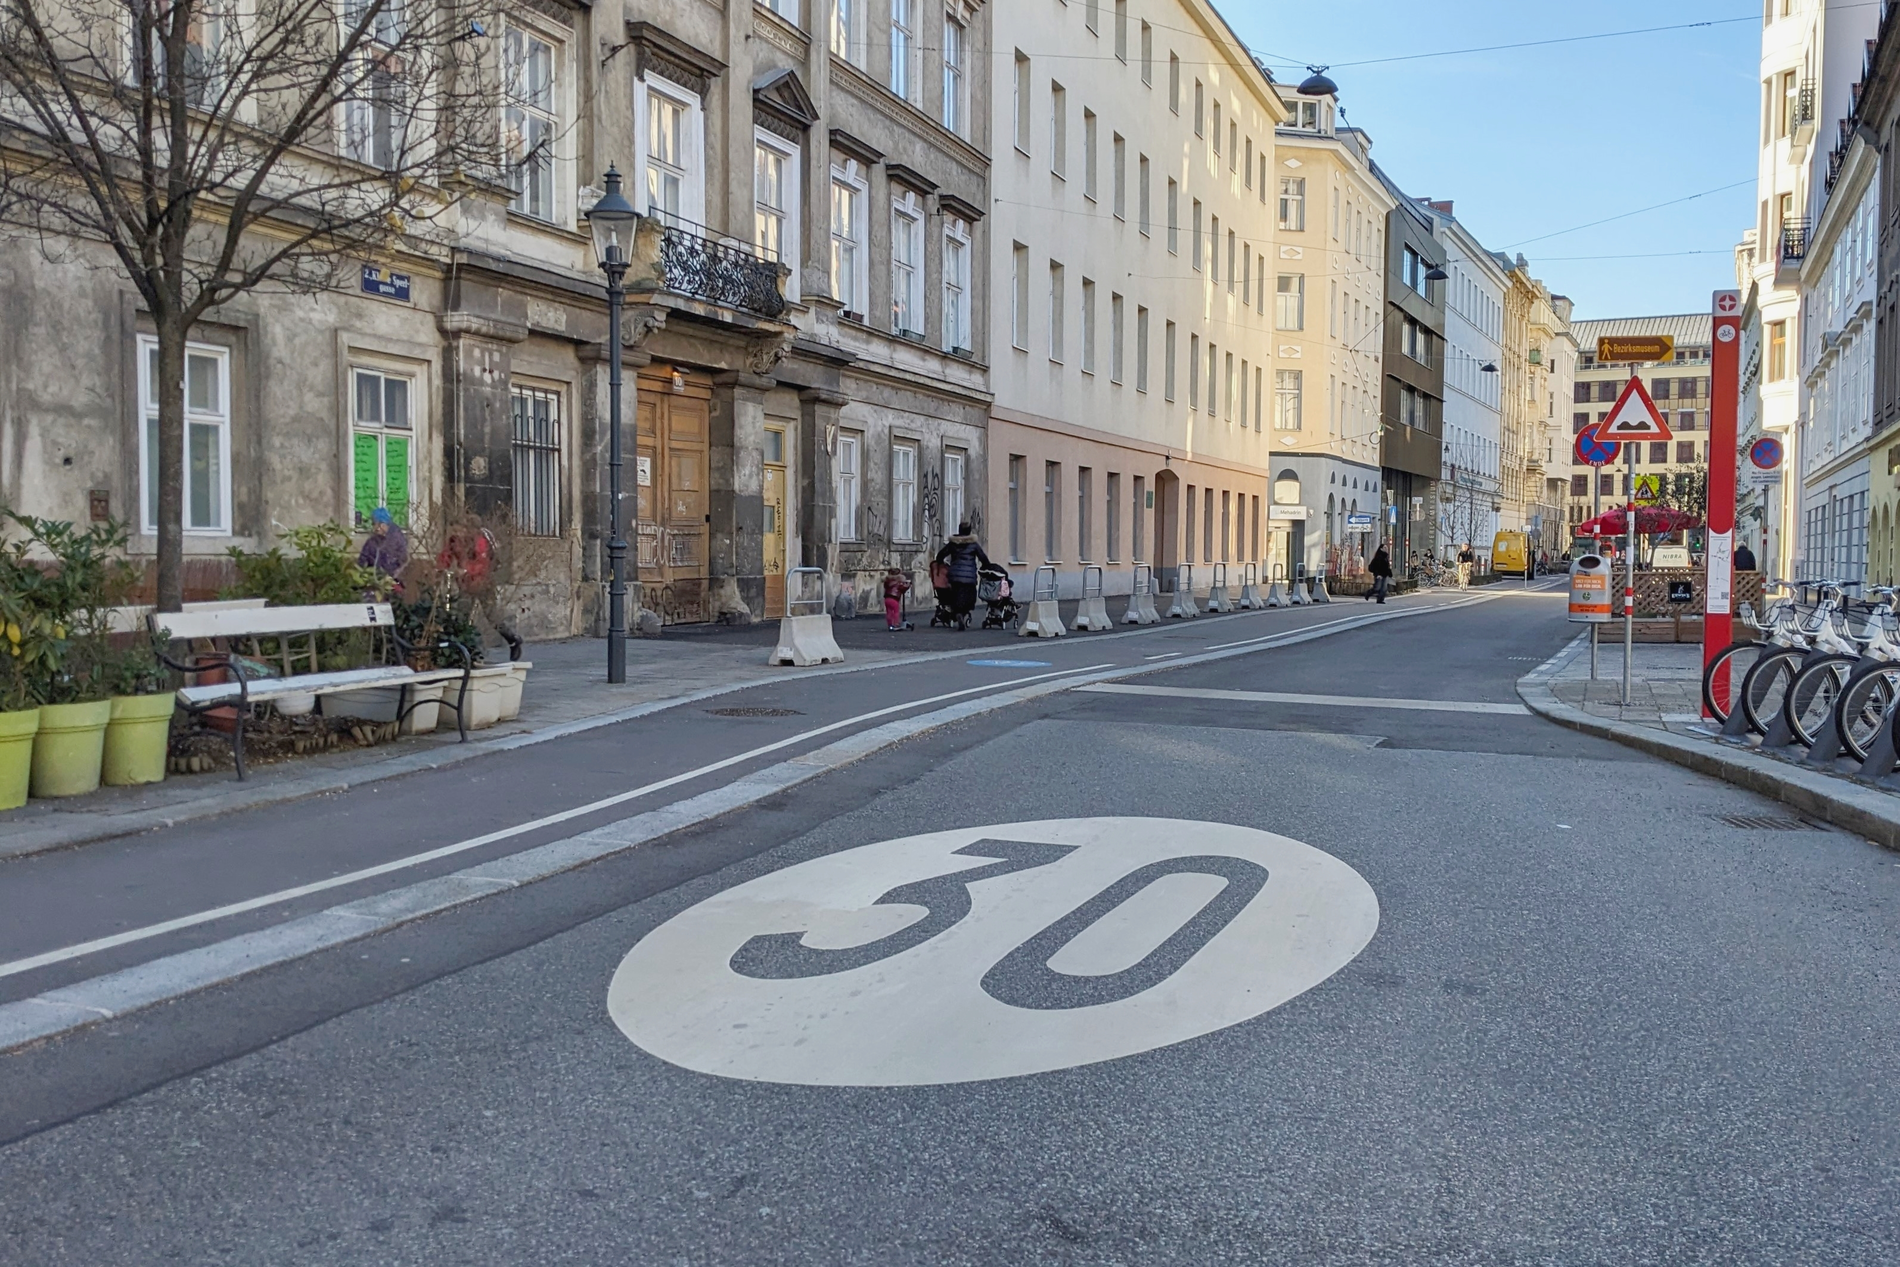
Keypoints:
(1633, 420)
(1724, 398)
(1596, 452)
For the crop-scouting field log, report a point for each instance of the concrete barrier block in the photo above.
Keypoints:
(1184, 607)
(1319, 591)
(805, 641)
(1093, 614)
(1274, 597)
(1041, 620)
(1296, 594)
(1141, 610)
(1250, 599)
(1217, 600)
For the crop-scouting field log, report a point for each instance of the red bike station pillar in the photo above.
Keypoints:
(1724, 400)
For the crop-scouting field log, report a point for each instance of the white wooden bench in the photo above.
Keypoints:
(241, 690)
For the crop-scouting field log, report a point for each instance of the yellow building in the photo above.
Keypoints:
(1539, 350)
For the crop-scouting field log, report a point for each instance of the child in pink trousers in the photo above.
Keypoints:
(896, 585)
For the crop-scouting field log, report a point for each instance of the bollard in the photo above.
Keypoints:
(1141, 598)
(1093, 613)
(1184, 606)
(804, 635)
(1041, 619)
(1275, 598)
(1250, 599)
(1217, 600)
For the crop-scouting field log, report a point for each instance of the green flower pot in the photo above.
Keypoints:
(70, 748)
(136, 739)
(16, 755)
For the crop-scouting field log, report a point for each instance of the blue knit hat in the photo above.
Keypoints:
(381, 515)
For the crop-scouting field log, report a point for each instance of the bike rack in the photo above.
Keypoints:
(1042, 620)
(1250, 599)
(1217, 600)
(1141, 598)
(1093, 613)
(1184, 607)
(800, 592)
(1276, 597)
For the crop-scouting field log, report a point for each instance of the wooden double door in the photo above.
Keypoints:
(673, 526)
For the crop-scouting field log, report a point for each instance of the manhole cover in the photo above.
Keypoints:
(1767, 822)
(755, 712)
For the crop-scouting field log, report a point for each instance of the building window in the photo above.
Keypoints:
(528, 121)
(1228, 379)
(1051, 511)
(849, 489)
(1259, 396)
(1287, 389)
(953, 41)
(1194, 371)
(953, 505)
(1412, 271)
(1089, 186)
(382, 445)
(1289, 302)
(1174, 217)
(1141, 349)
(1019, 297)
(1580, 486)
(671, 184)
(1147, 54)
(787, 9)
(1092, 16)
(207, 390)
(907, 264)
(1777, 350)
(1416, 341)
(1293, 203)
(956, 284)
(1058, 129)
(1115, 335)
(1198, 241)
(845, 42)
(1020, 101)
(377, 116)
(1200, 109)
(1137, 538)
(537, 461)
(1017, 474)
(1167, 361)
(1088, 326)
(774, 201)
(1146, 218)
(1174, 83)
(1214, 139)
(1213, 381)
(1121, 31)
(903, 49)
(1112, 517)
(1118, 177)
(849, 279)
(903, 491)
(1685, 450)
(1084, 500)
(1056, 302)
(1246, 274)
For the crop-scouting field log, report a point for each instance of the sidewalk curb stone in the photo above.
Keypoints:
(1873, 815)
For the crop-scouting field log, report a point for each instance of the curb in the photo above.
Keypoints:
(1873, 816)
(67, 1009)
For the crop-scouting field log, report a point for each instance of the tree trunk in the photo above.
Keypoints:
(171, 463)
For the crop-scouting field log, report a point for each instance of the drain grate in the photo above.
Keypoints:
(755, 712)
(1767, 822)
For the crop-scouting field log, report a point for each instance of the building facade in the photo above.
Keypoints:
(1138, 208)
(1470, 488)
(1331, 467)
(1412, 364)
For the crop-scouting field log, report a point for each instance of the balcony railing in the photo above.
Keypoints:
(719, 273)
(1804, 104)
(1794, 240)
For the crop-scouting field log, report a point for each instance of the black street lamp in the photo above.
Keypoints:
(612, 220)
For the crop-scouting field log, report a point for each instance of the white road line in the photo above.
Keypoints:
(1165, 655)
(462, 846)
(1289, 697)
(1367, 617)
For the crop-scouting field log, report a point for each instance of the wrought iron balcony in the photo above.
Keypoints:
(1794, 240)
(720, 273)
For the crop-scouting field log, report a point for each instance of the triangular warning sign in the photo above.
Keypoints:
(1635, 417)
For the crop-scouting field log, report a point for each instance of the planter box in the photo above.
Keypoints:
(427, 713)
(511, 694)
(372, 703)
(485, 689)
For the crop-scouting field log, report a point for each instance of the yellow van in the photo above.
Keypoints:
(1510, 554)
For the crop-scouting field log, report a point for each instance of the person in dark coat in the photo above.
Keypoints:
(387, 549)
(1744, 559)
(963, 556)
(1381, 569)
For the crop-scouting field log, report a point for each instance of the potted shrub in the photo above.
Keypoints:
(28, 654)
(86, 572)
(139, 730)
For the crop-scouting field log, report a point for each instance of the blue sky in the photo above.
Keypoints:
(1533, 141)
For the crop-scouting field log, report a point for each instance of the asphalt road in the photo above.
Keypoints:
(1430, 983)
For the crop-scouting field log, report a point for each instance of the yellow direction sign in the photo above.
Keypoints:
(1634, 418)
(1648, 489)
(1635, 348)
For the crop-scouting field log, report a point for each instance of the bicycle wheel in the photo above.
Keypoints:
(1766, 685)
(1863, 707)
(1808, 704)
(1722, 680)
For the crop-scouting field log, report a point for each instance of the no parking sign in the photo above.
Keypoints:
(1592, 449)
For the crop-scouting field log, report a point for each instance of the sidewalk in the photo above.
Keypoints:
(1664, 719)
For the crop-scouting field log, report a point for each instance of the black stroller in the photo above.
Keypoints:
(997, 594)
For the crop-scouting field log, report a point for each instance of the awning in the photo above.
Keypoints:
(1650, 521)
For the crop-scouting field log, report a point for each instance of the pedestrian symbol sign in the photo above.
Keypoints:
(1635, 417)
(1648, 489)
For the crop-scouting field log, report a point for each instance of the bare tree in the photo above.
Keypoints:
(218, 147)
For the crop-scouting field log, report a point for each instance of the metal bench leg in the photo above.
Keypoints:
(237, 742)
(461, 718)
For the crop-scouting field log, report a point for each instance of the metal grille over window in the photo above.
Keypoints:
(537, 458)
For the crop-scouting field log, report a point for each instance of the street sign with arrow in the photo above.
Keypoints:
(1635, 417)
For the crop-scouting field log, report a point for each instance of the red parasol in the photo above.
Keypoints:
(1650, 521)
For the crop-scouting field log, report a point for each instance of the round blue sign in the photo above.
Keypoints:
(1765, 453)
(1593, 449)
(1010, 664)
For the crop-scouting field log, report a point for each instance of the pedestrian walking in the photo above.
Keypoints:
(896, 585)
(1381, 569)
(1744, 558)
(964, 558)
(1467, 559)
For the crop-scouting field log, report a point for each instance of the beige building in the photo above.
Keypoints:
(1539, 348)
(1138, 207)
(1681, 392)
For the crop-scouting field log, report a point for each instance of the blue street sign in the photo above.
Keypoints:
(1765, 453)
(385, 284)
(1593, 449)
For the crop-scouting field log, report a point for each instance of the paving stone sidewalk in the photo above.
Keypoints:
(1665, 684)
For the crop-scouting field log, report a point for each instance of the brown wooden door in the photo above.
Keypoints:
(774, 527)
(671, 472)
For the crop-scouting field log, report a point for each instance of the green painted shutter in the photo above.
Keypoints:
(396, 477)
(366, 475)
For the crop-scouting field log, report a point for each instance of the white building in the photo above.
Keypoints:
(1469, 492)
(1839, 285)
(1136, 209)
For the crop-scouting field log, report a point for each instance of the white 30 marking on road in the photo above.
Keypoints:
(1066, 942)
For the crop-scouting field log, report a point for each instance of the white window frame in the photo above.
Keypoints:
(848, 177)
(847, 30)
(1289, 390)
(148, 420)
(848, 466)
(1289, 302)
(1019, 296)
(1058, 288)
(382, 429)
(904, 458)
(787, 9)
(907, 274)
(517, 110)
(1292, 208)
(955, 475)
(956, 284)
(1116, 319)
(1088, 325)
(956, 40)
(903, 81)
(356, 121)
(692, 165)
(791, 232)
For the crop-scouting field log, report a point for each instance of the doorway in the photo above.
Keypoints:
(1167, 494)
(673, 413)
(774, 526)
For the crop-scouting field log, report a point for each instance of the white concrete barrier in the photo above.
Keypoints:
(1296, 592)
(804, 636)
(1141, 599)
(1217, 600)
(1183, 607)
(1093, 613)
(1276, 597)
(1319, 589)
(1250, 599)
(1040, 617)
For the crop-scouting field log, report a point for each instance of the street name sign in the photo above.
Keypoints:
(1592, 449)
(1635, 348)
(1635, 417)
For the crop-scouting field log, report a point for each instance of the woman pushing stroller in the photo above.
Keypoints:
(962, 559)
